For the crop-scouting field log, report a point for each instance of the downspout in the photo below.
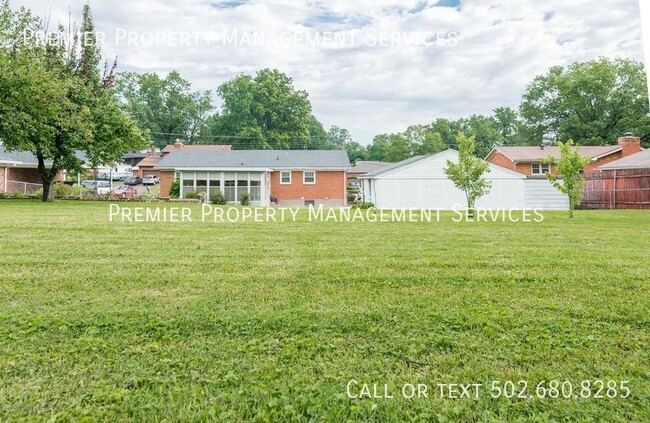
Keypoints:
(615, 189)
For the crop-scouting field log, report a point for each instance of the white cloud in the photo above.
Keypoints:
(372, 89)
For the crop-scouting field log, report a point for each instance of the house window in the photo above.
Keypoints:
(285, 178)
(229, 186)
(540, 169)
(309, 177)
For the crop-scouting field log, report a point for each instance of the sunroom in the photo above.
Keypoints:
(231, 183)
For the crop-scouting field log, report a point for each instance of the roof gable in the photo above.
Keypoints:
(535, 154)
(432, 167)
(640, 160)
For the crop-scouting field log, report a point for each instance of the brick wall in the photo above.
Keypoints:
(166, 179)
(329, 185)
(500, 159)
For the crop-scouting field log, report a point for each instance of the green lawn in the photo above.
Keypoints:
(269, 322)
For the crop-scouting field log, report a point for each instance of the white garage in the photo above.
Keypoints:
(420, 182)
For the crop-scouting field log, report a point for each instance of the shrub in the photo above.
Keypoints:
(175, 189)
(361, 205)
(191, 195)
(218, 198)
(245, 199)
(65, 191)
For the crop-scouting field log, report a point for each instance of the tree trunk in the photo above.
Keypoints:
(47, 190)
(47, 176)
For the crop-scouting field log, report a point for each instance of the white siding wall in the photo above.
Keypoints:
(423, 184)
(540, 194)
(442, 194)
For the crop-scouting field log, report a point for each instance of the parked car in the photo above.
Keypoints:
(88, 184)
(133, 180)
(125, 191)
(150, 180)
(100, 187)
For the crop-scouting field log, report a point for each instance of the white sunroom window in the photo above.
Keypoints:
(232, 184)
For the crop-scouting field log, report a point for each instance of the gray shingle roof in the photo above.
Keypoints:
(392, 166)
(362, 167)
(19, 157)
(274, 159)
(25, 158)
(640, 160)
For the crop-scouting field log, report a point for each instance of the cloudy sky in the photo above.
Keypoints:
(371, 66)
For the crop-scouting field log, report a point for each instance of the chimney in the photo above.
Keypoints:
(178, 145)
(630, 144)
(154, 152)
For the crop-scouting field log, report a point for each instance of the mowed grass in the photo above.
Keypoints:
(270, 321)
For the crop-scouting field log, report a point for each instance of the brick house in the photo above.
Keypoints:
(288, 177)
(19, 173)
(528, 160)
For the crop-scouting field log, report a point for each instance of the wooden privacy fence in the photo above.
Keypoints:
(617, 189)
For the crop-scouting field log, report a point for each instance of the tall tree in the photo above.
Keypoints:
(356, 151)
(592, 103)
(569, 167)
(53, 101)
(264, 112)
(167, 107)
(467, 174)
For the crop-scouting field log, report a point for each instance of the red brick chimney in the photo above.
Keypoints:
(154, 152)
(630, 144)
(178, 145)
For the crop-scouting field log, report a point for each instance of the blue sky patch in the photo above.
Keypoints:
(448, 3)
(229, 4)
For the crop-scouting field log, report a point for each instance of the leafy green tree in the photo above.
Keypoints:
(592, 103)
(356, 151)
(319, 138)
(398, 149)
(467, 174)
(569, 167)
(53, 101)
(167, 107)
(338, 137)
(508, 124)
(264, 112)
(377, 149)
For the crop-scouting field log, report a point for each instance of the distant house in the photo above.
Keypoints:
(178, 145)
(146, 166)
(132, 158)
(19, 171)
(420, 182)
(288, 177)
(528, 160)
(621, 184)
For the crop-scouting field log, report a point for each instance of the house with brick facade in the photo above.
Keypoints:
(528, 159)
(285, 177)
(19, 173)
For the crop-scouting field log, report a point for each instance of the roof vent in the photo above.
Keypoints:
(541, 146)
(628, 134)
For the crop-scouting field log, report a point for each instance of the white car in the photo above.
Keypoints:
(150, 180)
